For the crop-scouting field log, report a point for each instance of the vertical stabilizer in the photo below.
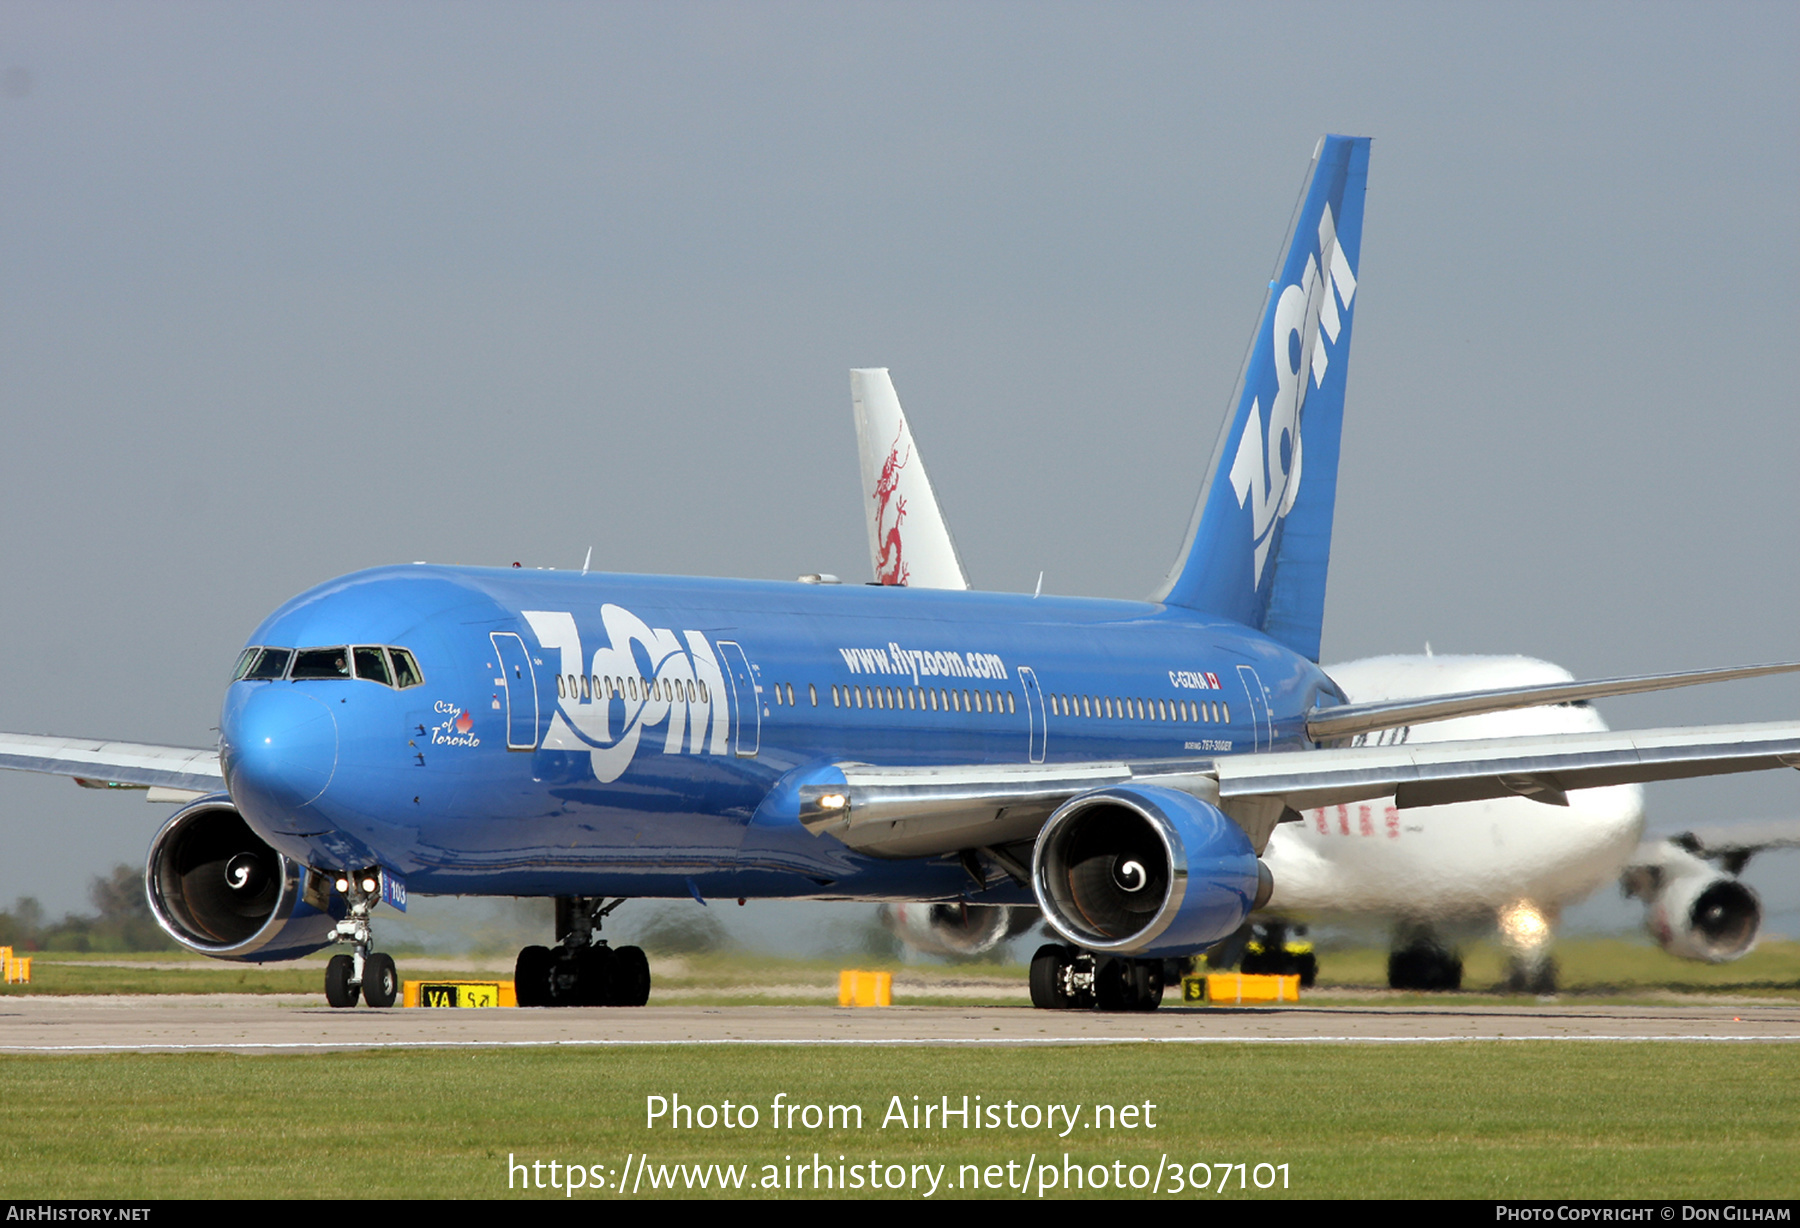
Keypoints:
(909, 543)
(1260, 540)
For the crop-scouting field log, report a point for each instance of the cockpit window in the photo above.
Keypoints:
(393, 667)
(371, 663)
(406, 670)
(321, 663)
(272, 663)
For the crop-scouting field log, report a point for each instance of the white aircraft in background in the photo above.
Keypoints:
(1434, 871)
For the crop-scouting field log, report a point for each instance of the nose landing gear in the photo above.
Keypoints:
(582, 970)
(370, 973)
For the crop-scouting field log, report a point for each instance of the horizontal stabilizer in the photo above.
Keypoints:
(1349, 720)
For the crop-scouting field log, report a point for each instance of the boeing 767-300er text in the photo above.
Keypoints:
(594, 737)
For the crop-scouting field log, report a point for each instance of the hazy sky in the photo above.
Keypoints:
(289, 290)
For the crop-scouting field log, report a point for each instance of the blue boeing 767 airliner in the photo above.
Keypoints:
(594, 738)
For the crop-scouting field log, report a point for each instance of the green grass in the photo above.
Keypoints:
(1593, 970)
(1597, 969)
(1537, 1120)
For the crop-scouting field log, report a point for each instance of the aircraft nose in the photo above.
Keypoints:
(281, 748)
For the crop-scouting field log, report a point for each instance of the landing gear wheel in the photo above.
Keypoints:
(593, 983)
(631, 977)
(531, 977)
(1537, 977)
(1047, 984)
(1146, 983)
(1426, 967)
(381, 980)
(340, 990)
(1112, 985)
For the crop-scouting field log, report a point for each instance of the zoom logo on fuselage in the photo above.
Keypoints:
(1265, 473)
(640, 679)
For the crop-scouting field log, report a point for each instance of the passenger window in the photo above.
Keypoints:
(834, 695)
(1009, 702)
(321, 663)
(812, 693)
(406, 670)
(371, 664)
(272, 664)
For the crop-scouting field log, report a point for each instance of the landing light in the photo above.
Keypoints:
(1523, 926)
(833, 801)
(343, 885)
(368, 884)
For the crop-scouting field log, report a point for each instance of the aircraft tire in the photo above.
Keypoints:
(631, 977)
(531, 977)
(596, 970)
(339, 991)
(1426, 967)
(1525, 978)
(1114, 985)
(381, 980)
(1146, 981)
(1047, 978)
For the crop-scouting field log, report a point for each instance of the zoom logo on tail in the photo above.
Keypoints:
(1266, 471)
(1259, 543)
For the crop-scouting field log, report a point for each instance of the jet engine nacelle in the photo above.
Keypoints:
(1145, 870)
(956, 930)
(1693, 910)
(216, 888)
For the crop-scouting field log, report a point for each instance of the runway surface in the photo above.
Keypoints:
(280, 1024)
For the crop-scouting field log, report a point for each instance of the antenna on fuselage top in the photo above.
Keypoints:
(1039, 590)
(587, 560)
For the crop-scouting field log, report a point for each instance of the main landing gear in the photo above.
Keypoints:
(1421, 960)
(582, 970)
(1064, 978)
(370, 973)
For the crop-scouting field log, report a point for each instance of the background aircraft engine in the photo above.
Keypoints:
(1691, 908)
(1144, 870)
(1709, 916)
(216, 888)
(960, 931)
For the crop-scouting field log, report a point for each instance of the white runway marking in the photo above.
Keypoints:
(852, 1042)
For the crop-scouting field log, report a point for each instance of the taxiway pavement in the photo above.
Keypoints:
(283, 1024)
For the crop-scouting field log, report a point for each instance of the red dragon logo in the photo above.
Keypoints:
(890, 568)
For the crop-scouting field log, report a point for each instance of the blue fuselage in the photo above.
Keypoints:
(623, 735)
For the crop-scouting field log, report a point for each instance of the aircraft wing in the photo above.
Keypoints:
(116, 765)
(918, 811)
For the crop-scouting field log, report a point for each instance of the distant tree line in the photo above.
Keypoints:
(121, 920)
